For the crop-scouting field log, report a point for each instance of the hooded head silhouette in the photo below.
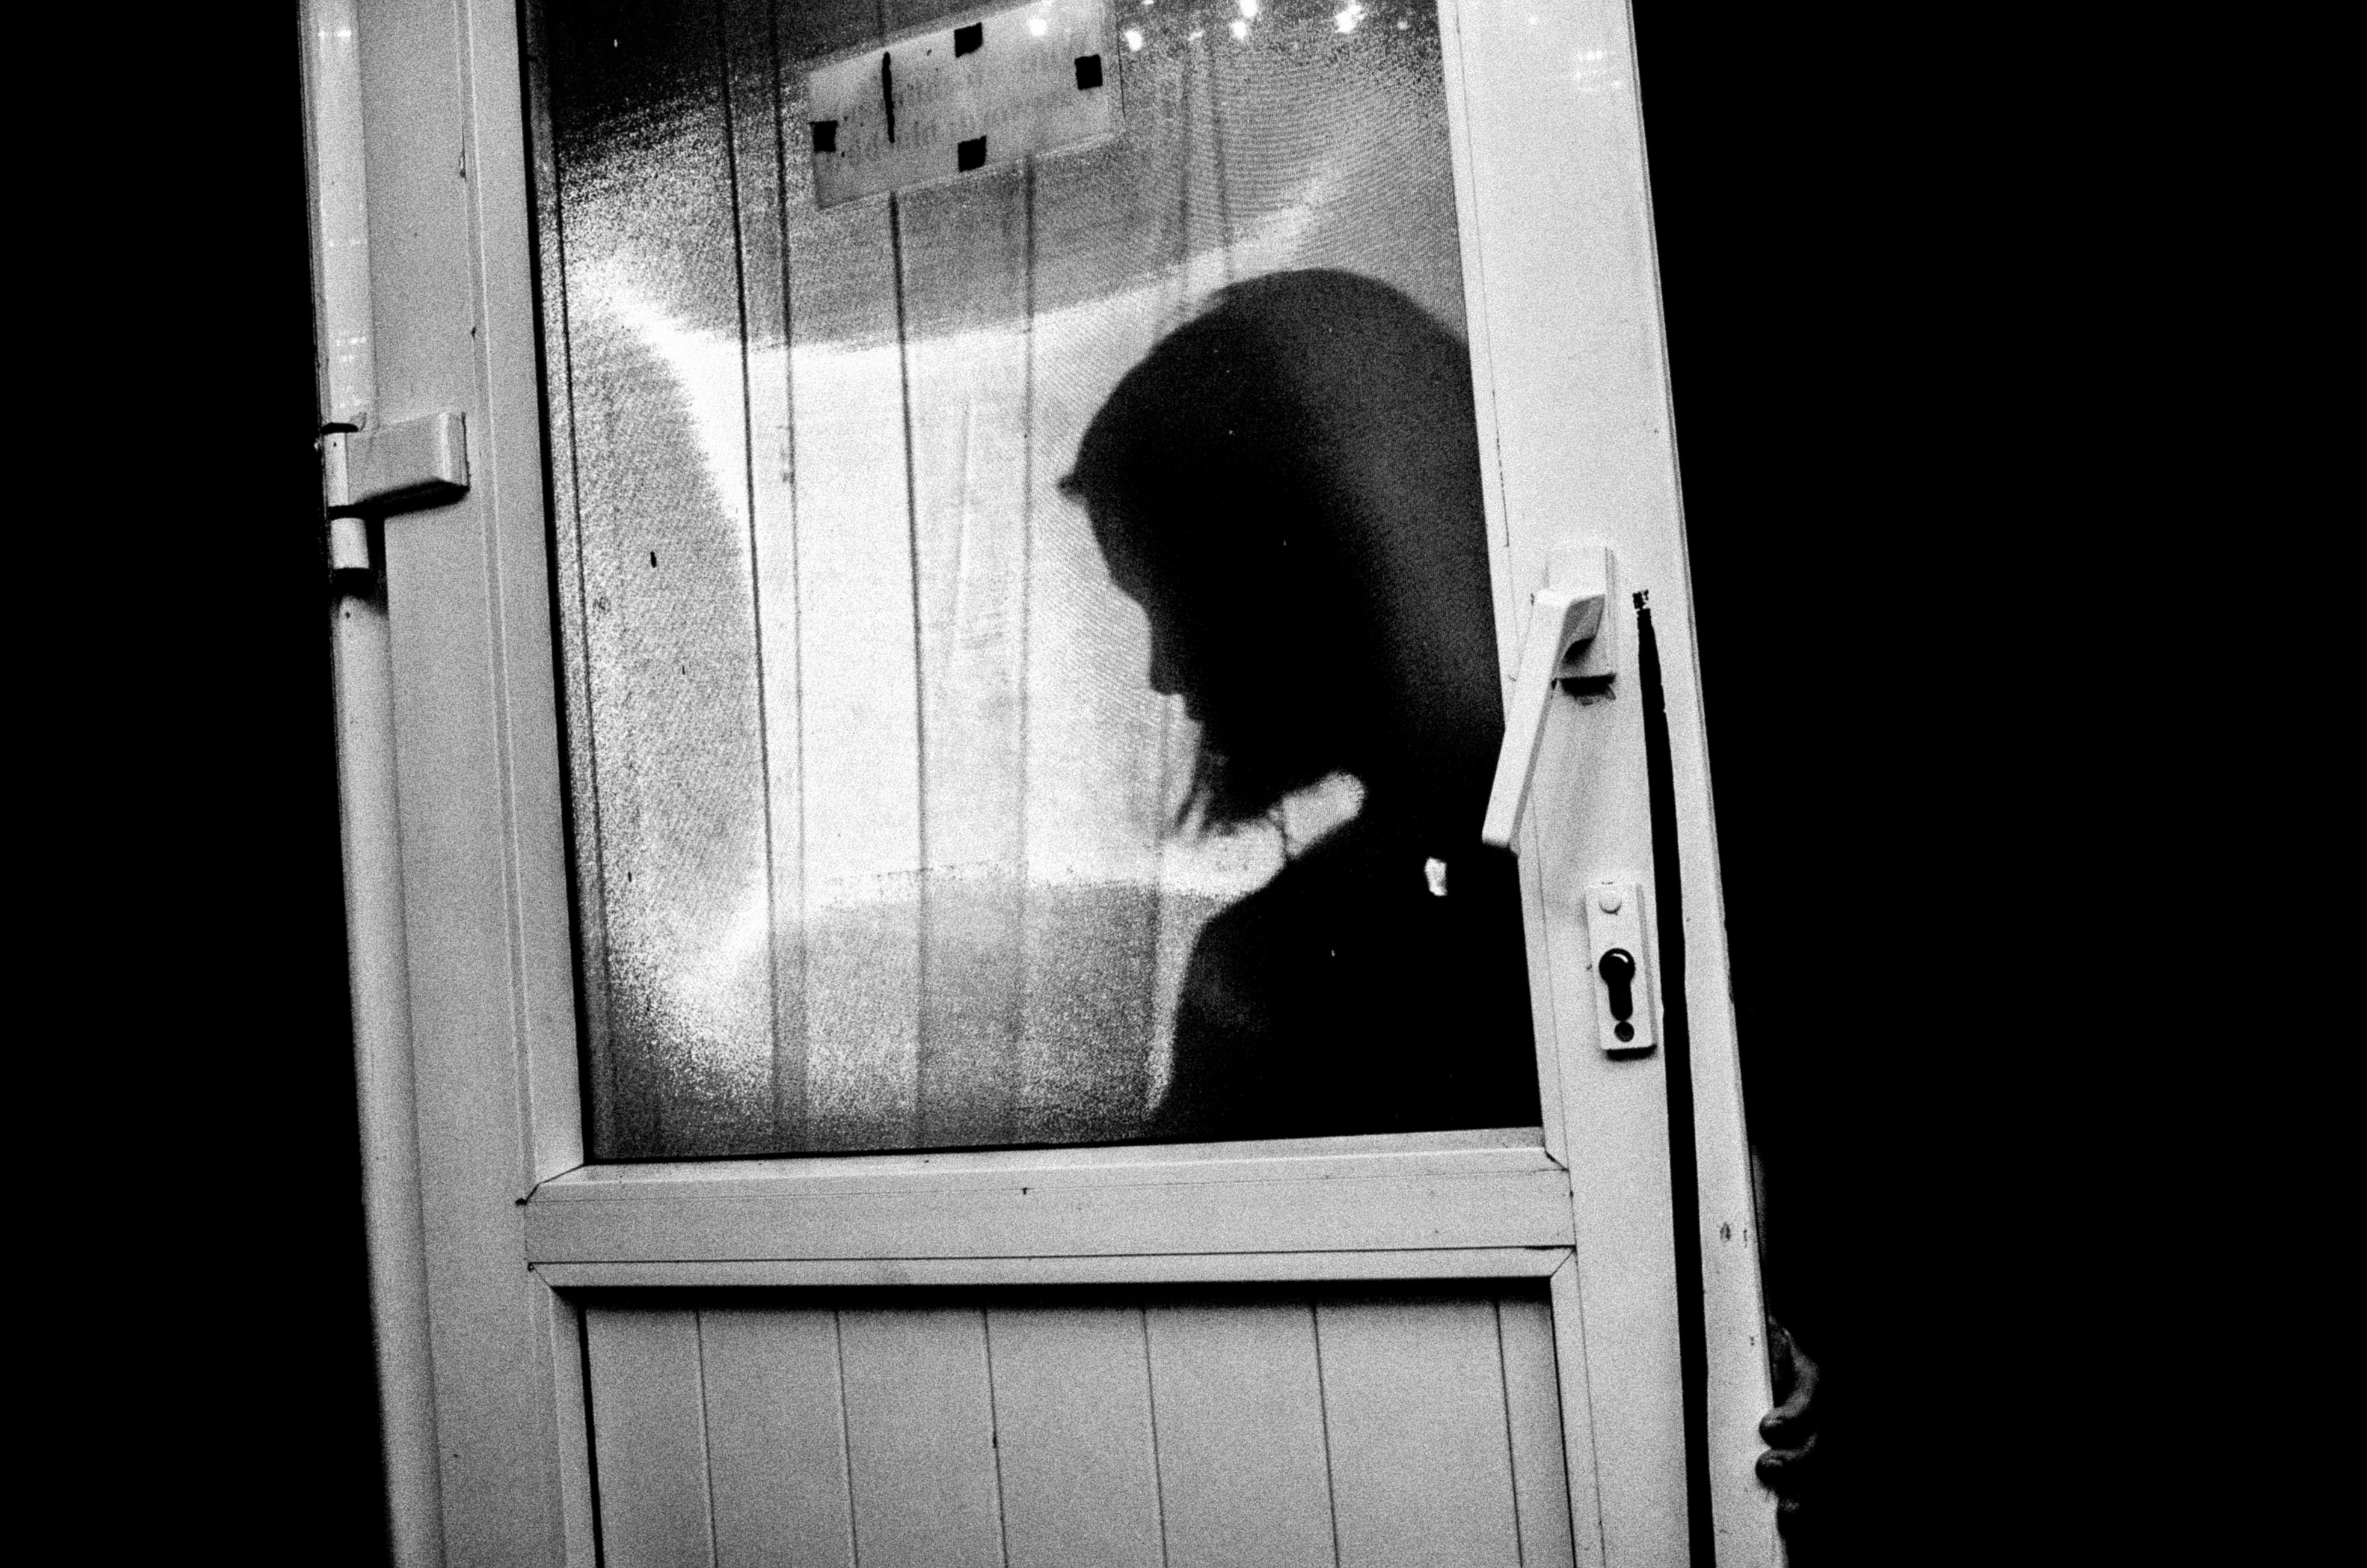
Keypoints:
(1289, 486)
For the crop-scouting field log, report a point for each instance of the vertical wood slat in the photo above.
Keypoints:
(1239, 1407)
(573, 599)
(964, 256)
(649, 1436)
(966, 296)
(776, 1435)
(1586, 1499)
(1533, 1415)
(921, 1442)
(837, 589)
(759, 165)
(1072, 1423)
(1201, 234)
(564, 1322)
(1097, 739)
(860, 724)
(654, 339)
(1414, 1412)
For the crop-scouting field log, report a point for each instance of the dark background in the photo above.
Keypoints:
(1832, 252)
(1828, 369)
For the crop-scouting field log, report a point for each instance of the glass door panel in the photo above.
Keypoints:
(1027, 658)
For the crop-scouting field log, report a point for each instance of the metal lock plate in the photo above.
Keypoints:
(1626, 1004)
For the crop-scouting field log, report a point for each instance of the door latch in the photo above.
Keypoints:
(1569, 646)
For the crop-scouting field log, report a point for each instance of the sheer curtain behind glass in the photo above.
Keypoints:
(872, 804)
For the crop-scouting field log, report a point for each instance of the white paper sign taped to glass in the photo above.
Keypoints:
(939, 105)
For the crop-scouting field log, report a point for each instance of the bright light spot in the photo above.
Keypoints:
(1593, 75)
(1316, 810)
(1194, 34)
(1037, 26)
(1346, 17)
(1134, 38)
(1240, 28)
(1248, 8)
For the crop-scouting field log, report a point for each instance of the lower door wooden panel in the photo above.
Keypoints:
(1170, 1429)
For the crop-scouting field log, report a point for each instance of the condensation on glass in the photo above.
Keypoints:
(873, 810)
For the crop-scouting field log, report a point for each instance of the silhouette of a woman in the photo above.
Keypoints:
(1289, 486)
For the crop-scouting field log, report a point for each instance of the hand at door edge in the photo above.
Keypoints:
(1789, 1467)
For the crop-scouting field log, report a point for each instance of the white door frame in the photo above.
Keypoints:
(485, 1216)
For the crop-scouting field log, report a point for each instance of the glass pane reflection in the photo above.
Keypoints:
(874, 803)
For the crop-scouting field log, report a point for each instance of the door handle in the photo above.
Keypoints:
(1568, 639)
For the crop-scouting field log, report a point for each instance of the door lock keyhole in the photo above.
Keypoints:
(1618, 971)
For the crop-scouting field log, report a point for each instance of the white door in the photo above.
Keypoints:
(774, 949)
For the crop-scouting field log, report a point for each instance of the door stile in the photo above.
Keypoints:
(472, 727)
(1566, 307)
(378, 961)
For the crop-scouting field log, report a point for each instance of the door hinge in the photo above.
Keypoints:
(369, 474)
